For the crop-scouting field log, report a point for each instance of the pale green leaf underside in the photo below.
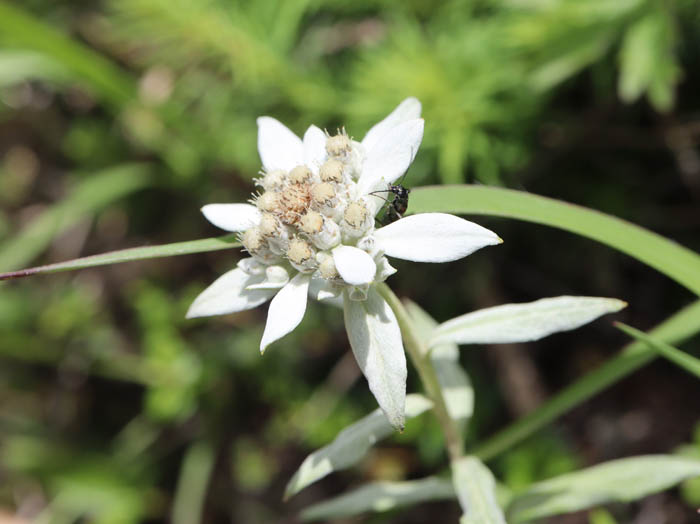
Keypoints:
(678, 357)
(670, 258)
(476, 490)
(351, 445)
(381, 496)
(621, 480)
(524, 322)
(676, 328)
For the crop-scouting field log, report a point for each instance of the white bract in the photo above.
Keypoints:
(311, 231)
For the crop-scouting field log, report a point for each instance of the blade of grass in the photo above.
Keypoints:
(129, 255)
(90, 195)
(21, 28)
(674, 260)
(678, 357)
(191, 490)
(677, 328)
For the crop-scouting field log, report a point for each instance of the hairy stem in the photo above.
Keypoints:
(420, 357)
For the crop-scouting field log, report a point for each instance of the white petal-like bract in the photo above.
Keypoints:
(390, 158)
(232, 217)
(524, 322)
(286, 310)
(433, 237)
(228, 294)
(314, 148)
(409, 109)
(323, 291)
(355, 266)
(375, 339)
(279, 148)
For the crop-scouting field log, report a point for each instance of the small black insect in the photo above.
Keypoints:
(397, 205)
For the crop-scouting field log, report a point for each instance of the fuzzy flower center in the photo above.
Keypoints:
(310, 210)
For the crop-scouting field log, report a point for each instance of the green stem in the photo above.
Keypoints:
(420, 357)
(192, 485)
(679, 327)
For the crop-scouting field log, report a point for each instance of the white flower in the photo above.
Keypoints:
(312, 232)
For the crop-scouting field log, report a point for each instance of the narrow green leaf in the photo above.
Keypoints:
(677, 328)
(381, 496)
(678, 357)
(637, 57)
(621, 480)
(454, 382)
(666, 256)
(20, 28)
(375, 339)
(524, 322)
(19, 66)
(476, 490)
(647, 60)
(131, 254)
(350, 445)
(191, 489)
(561, 67)
(90, 195)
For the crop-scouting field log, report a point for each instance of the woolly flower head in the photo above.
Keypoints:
(310, 230)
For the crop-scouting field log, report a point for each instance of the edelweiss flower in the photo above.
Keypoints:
(312, 232)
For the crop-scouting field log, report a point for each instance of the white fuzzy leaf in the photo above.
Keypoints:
(314, 148)
(454, 381)
(286, 310)
(354, 265)
(228, 294)
(279, 148)
(375, 339)
(524, 322)
(433, 237)
(620, 480)
(232, 217)
(350, 445)
(391, 156)
(476, 490)
(320, 289)
(380, 496)
(409, 109)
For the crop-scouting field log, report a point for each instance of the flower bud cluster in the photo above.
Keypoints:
(308, 211)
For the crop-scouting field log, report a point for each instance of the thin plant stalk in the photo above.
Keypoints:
(420, 357)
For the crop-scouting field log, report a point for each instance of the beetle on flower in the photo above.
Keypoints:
(311, 231)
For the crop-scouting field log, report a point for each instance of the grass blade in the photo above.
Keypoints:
(129, 255)
(670, 258)
(108, 81)
(90, 195)
(678, 357)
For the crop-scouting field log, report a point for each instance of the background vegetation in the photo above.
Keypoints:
(119, 119)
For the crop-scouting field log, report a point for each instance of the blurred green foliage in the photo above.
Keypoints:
(120, 118)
